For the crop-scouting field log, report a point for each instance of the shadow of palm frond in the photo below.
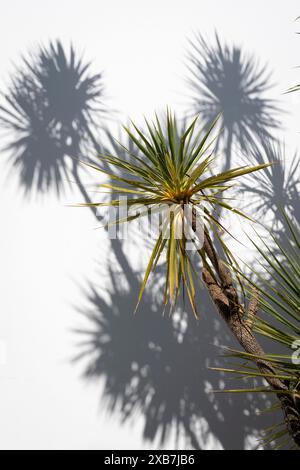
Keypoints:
(48, 115)
(275, 189)
(225, 80)
(156, 367)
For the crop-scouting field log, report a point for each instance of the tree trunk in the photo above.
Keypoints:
(219, 283)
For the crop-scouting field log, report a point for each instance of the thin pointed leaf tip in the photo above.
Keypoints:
(171, 173)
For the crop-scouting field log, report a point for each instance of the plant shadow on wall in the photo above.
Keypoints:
(275, 190)
(223, 79)
(156, 367)
(48, 117)
(151, 364)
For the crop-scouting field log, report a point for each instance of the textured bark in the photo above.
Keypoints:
(220, 285)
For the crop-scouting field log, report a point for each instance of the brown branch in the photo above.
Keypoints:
(219, 283)
(252, 309)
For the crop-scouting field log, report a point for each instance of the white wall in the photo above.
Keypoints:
(48, 250)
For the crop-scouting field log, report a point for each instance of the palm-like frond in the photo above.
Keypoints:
(293, 89)
(172, 173)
